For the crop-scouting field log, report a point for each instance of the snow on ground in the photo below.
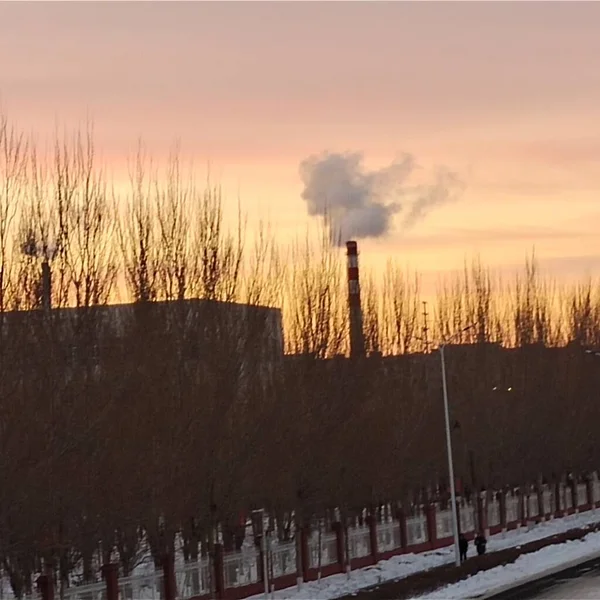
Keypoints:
(526, 568)
(399, 567)
(586, 587)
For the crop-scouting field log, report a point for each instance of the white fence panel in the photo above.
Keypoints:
(241, 568)
(416, 530)
(561, 497)
(443, 524)
(388, 536)
(568, 496)
(512, 509)
(135, 587)
(282, 559)
(581, 494)
(359, 542)
(94, 591)
(533, 509)
(467, 518)
(493, 513)
(194, 579)
(328, 549)
(549, 501)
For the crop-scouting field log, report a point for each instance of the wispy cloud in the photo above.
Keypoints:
(468, 238)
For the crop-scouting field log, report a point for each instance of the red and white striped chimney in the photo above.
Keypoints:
(357, 338)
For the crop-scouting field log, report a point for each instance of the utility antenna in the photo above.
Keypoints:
(425, 327)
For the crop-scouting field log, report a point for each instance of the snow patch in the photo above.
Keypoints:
(400, 567)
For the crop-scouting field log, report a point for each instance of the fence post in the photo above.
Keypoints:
(431, 524)
(502, 507)
(542, 508)
(372, 523)
(304, 555)
(110, 573)
(401, 516)
(481, 520)
(340, 546)
(574, 498)
(219, 572)
(263, 557)
(558, 504)
(527, 518)
(522, 507)
(169, 581)
(46, 586)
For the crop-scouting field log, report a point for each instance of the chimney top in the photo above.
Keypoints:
(352, 247)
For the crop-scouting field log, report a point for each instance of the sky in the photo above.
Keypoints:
(506, 95)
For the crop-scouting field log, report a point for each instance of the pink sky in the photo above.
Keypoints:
(505, 93)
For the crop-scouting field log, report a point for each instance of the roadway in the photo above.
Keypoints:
(578, 583)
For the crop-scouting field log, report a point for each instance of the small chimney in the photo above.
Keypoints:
(357, 338)
(46, 287)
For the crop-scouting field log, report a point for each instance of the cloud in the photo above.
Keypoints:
(469, 238)
(361, 203)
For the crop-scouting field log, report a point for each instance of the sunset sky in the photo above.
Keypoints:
(505, 94)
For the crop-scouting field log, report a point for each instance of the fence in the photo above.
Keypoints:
(549, 499)
(512, 509)
(195, 578)
(416, 531)
(241, 568)
(582, 495)
(389, 537)
(135, 587)
(324, 551)
(533, 508)
(443, 524)
(329, 553)
(282, 560)
(493, 513)
(568, 498)
(467, 518)
(359, 542)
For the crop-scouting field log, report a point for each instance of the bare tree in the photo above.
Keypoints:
(13, 173)
(218, 252)
(138, 234)
(402, 328)
(86, 223)
(174, 214)
(316, 311)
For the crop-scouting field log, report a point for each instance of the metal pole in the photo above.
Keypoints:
(450, 460)
(264, 554)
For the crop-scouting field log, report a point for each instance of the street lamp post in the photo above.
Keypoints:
(449, 444)
(450, 459)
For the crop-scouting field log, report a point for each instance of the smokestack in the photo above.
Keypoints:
(357, 338)
(46, 287)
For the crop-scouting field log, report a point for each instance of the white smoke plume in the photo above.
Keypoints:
(359, 203)
(446, 188)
